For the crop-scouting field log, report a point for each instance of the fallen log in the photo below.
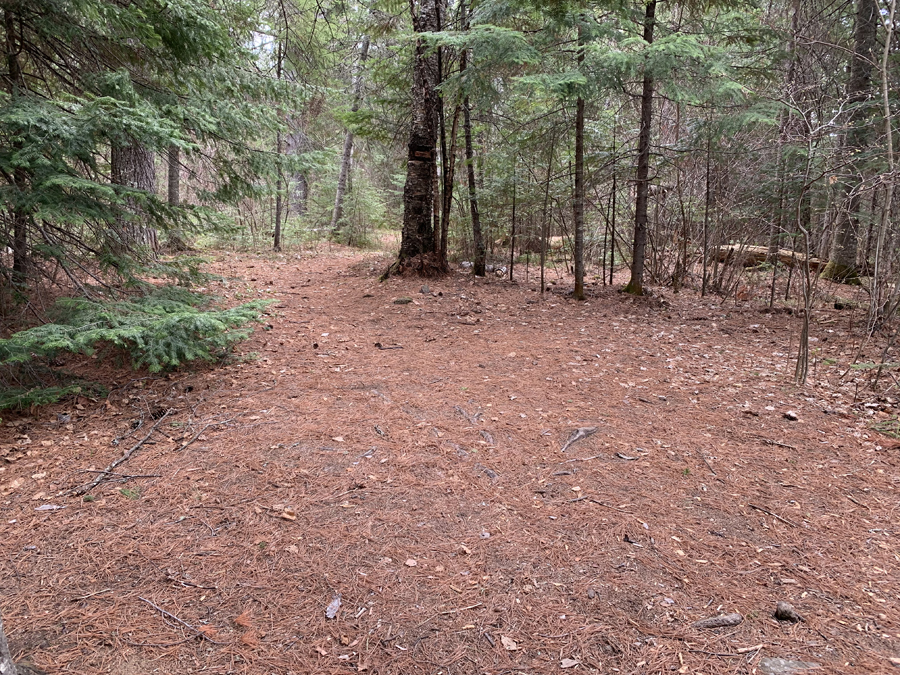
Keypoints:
(750, 256)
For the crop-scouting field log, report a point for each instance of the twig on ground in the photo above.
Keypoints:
(201, 432)
(774, 515)
(199, 633)
(578, 435)
(461, 609)
(582, 459)
(599, 503)
(87, 487)
(769, 441)
(859, 503)
(91, 595)
(121, 476)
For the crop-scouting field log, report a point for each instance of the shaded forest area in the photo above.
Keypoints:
(693, 198)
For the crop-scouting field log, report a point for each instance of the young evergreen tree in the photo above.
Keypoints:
(93, 91)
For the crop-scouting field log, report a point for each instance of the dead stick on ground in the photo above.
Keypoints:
(461, 609)
(856, 501)
(169, 615)
(774, 515)
(599, 503)
(87, 487)
(582, 459)
(91, 595)
(769, 441)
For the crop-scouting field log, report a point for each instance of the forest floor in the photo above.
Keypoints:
(323, 504)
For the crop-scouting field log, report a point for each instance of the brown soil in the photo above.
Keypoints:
(423, 483)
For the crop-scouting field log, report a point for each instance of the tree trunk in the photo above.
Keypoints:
(842, 260)
(578, 197)
(448, 176)
(418, 192)
(477, 238)
(636, 284)
(134, 166)
(338, 211)
(176, 237)
(7, 665)
(279, 199)
(20, 177)
(174, 182)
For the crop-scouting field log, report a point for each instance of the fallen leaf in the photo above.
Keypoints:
(49, 507)
(289, 514)
(568, 663)
(508, 643)
(322, 652)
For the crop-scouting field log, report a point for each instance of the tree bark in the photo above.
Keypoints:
(636, 284)
(20, 178)
(174, 177)
(842, 260)
(448, 176)
(418, 192)
(7, 665)
(477, 237)
(134, 166)
(338, 211)
(578, 197)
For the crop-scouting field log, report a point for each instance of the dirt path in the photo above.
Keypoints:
(424, 485)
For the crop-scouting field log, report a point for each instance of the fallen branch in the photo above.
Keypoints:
(578, 435)
(774, 515)
(87, 487)
(199, 633)
(582, 459)
(769, 441)
(599, 503)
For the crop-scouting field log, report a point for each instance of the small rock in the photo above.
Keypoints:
(776, 666)
(786, 612)
(402, 301)
(719, 621)
(791, 415)
(425, 290)
(591, 593)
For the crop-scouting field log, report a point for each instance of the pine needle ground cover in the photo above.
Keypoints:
(419, 497)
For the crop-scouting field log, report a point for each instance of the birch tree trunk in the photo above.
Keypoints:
(347, 153)
(636, 284)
